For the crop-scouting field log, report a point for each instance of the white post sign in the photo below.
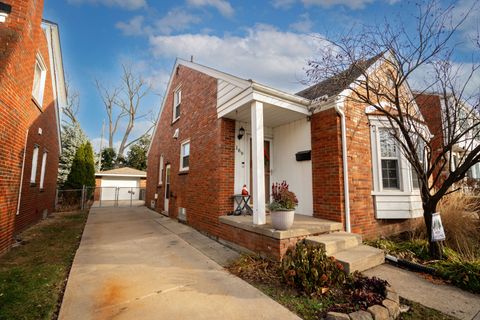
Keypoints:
(438, 234)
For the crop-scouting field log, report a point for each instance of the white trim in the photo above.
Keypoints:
(38, 94)
(57, 73)
(181, 167)
(119, 175)
(42, 169)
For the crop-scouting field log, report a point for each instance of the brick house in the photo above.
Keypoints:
(432, 107)
(217, 132)
(32, 93)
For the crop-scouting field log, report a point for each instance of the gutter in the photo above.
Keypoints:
(21, 174)
(290, 97)
(346, 191)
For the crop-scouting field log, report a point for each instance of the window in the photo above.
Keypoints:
(177, 99)
(42, 170)
(39, 80)
(33, 174)
(389, 156)
(184, 155)
(160, 171)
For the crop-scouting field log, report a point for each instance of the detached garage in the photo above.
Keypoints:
(120, 184)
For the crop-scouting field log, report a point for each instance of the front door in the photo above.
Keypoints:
(167, 187)
(266, 162)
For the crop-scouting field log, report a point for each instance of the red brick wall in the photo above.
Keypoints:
(362, 212)
(431, 110)
(21, 37)
(206, 189)
(327, 175)
(327, 166)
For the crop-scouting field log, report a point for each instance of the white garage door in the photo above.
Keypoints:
(127, 187)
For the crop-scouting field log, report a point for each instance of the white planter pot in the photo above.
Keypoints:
(282, 220)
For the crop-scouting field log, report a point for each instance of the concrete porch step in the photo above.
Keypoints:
(360, 258)
(335, 242)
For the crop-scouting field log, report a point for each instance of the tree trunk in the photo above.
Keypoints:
(434, 248)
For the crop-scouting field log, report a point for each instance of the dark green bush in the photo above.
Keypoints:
(463, 274)
(308, 269)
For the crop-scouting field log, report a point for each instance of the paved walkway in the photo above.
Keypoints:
(136, 264)
(445, 298)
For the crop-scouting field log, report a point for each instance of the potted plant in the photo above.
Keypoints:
(282, 207)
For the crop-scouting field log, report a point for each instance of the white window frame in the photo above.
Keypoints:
(160, 171)
(42, 170)
(177, 101)
(33, 173)
(397, 157)
(182, 168)
(38, 96)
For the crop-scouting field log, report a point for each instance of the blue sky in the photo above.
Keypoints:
(269, 41)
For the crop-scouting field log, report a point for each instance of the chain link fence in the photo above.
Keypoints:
(97, 197)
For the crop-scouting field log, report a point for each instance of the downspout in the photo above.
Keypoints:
(21, 174)
(345, 167)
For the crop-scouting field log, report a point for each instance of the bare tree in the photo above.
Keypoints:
(73, 104)
(109, 97)
(123, 104)
(384, 59)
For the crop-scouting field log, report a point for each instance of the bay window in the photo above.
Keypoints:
(389, 158)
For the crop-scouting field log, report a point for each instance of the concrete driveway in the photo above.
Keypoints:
(136, 264)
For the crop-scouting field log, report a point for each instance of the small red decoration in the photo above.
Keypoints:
(245, 190)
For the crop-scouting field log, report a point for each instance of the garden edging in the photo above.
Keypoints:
(390, 309)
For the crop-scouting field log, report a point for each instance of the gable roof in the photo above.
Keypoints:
(125, 171)
(337, 83)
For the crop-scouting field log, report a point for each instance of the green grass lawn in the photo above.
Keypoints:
(33, 276)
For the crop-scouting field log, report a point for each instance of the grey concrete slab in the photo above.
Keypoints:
(131, 266)
(445, 298)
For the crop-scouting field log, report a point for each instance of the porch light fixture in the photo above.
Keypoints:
(5, 10)
(241, 132)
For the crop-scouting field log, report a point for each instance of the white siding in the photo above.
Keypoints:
(287, 141)
(398, 206)
(226, 91)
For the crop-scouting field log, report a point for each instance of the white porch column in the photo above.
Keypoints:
(258, 168)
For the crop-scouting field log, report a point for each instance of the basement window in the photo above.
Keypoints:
(39, 76)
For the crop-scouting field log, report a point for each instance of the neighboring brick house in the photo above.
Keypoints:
(32, 92)
(217, 132)
(432, 107)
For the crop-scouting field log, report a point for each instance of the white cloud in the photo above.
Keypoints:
(303, 25)
(175, 20)
(264, 53)
(125, 4)
(134, 27)
(352, 4)
(283, 4)
(470, 28)
(223, 6)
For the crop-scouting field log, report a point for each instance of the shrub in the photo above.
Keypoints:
(463, 274)
(462, 225)
(282, 198)
(308, 269)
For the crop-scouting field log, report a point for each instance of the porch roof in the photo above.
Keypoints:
(279, 107)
